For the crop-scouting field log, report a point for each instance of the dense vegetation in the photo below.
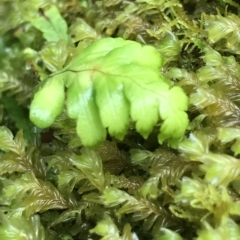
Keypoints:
(119, 119)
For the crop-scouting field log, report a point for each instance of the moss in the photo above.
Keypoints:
(135, 187)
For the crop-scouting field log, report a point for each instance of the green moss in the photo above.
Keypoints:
(120, 77)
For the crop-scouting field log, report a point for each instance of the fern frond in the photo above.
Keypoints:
(107, 83)
(214, 88)
(221, 169)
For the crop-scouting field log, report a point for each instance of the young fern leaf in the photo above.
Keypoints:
(108, 83)
(44, 116)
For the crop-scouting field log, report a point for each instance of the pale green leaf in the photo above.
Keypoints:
(176, 120)
(114, 80)
(81, 105)
(113, 106)
(94, 51)
(48, 102)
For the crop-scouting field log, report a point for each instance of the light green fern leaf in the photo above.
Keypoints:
(110, 83)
